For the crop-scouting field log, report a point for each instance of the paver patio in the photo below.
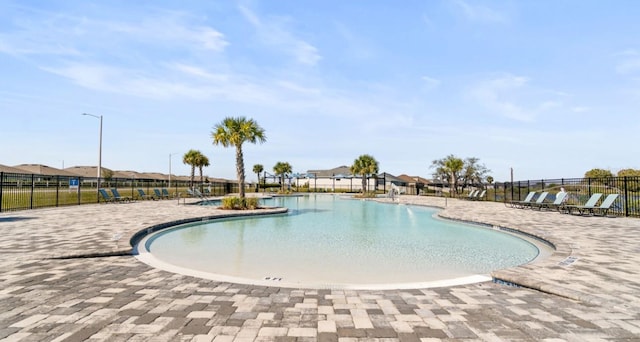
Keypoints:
(588, 290)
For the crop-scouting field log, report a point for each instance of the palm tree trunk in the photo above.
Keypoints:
(240, 170)
(364, 184)
(193, 174)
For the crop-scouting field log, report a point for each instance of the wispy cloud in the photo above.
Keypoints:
(272, 32)
(480, 13)
(499, 94)
(430, 83)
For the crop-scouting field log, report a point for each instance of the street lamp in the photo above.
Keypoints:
(170, 154)
(99, 150)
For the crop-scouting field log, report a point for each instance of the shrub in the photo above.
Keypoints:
(237, 203)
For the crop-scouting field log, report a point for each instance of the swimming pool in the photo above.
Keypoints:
(334, 242)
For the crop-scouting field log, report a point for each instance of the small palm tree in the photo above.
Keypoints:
(365, 166)
(281, 169)
(201, 162)
(257, 169)
(190, 158)
(449, 167)
(235, 132)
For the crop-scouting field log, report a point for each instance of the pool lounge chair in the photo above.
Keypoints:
(165, 193)
(479, 197)
(159, 194)
(604, 207)
(106, 197)
(119, 198)
(472, 194)
(538, 201)
(556, 204)
(588, 206)
(515, 204)
(144, 196)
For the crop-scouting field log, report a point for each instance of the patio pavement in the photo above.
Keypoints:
(588, 290)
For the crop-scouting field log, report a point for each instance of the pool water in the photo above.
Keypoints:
(330, 240)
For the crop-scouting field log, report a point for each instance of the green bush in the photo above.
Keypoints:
(237, 203)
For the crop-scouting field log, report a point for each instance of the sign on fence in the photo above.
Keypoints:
(73, 183)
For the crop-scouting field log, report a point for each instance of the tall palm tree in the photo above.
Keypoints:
(257, 169)
(365, 166)
(281, 169)
(235, 132)
(201, 162)
(190, 158)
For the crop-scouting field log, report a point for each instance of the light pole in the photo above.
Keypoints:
(99, 150)
(170, 154)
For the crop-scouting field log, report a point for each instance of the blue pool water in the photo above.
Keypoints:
(327, 239)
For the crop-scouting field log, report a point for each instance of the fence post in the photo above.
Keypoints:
(542, 181)
(626, 197)
(57, 190)
(79, 187)
(33, 185)
(1, 188)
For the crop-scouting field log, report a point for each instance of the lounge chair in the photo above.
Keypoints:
(527, 200)
(557, 203)
(165, 193)
(472, 194)
(119, 198)
(199, 194)
(158, 193)
(144, 196)
(538, 201)
(588, 206)
(106, 197)
(480, 196)
(604, 207)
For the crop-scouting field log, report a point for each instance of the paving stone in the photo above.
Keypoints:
(120, 298)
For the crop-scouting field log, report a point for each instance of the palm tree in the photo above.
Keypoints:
(449, 168)
(201, 161)
(257, 169)
(234, 132)
(191, 158)
(365, 166)
(281, 169)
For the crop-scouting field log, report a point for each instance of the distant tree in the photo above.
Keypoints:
(235, 132)
(489, 179)
(473, 172)
(365, 166)
(190, 158)
(282, 169)
(598, 173)
(257, 169)
(449, 168)
(629, 173)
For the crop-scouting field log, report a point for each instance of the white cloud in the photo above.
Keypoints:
(480, 13)
(430, 83)
(273, 33)
(495, 95)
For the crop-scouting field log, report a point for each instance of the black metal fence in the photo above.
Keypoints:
(29, 191)
(579, 189)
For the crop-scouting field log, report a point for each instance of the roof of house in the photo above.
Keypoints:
(86, 171)
(39, 169)
(414, 179)
(9, 169)
(343, 171)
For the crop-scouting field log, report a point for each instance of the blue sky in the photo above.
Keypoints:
(548, 88)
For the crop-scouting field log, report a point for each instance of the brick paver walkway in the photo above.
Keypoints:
(588, 290)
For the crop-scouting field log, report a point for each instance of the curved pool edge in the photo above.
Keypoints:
(141, 234)
(147, 258)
